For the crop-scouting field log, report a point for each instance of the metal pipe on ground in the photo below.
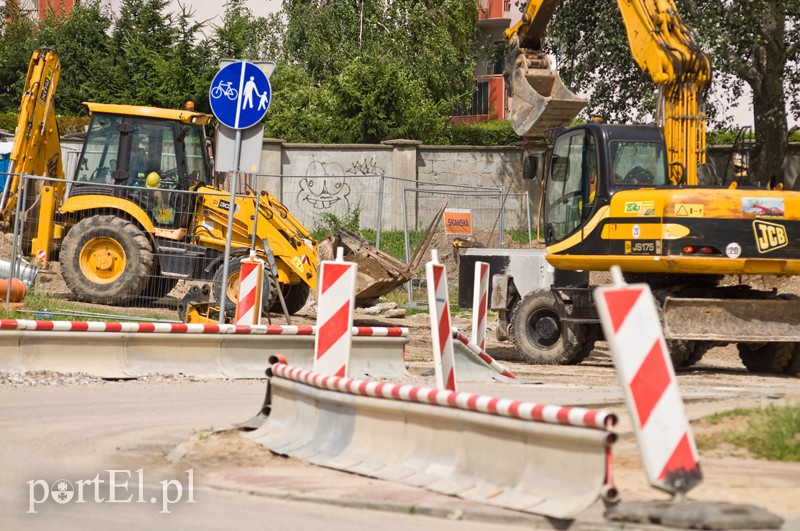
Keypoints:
(542, 459)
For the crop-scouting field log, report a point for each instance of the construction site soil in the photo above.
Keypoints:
(733, 474)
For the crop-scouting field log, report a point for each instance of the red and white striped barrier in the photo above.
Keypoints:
(503, 407)
(633, 331)
(480, 303)
(184, 328)
(439, 310)
(495, 365)
(335, 309)
(248, 306)
(545, 459)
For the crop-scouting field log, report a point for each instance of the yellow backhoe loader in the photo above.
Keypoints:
(629, 195)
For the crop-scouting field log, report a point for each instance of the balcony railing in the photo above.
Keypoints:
(489, 101)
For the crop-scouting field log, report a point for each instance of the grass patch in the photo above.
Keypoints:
(771, 433)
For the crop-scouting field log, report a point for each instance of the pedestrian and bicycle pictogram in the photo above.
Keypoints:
(240, 95)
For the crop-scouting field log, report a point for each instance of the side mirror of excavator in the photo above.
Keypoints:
(182, 134)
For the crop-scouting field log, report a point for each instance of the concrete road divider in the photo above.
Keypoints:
(129, 350)
(474, 364)
(544, 459)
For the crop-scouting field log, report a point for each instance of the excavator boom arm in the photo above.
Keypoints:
(660, 44)
(37, 148)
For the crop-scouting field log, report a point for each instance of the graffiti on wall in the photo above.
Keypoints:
(326, 187)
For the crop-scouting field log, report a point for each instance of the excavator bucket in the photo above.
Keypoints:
(378, 272)
(540, 100)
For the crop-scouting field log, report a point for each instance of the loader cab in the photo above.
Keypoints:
(589, 164)
(126, 144)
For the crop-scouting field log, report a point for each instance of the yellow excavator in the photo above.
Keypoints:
(142, 210)
(628, 195)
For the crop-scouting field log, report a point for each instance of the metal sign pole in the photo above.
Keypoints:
(231, 208)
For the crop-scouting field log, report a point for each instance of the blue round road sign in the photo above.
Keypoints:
(240, 95)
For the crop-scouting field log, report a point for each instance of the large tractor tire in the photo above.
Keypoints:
(542, 338)
(106, 260)
(793, 367)
(294, 295)
(157, 286)
(768, 358)
(685, 353)
(230, 287)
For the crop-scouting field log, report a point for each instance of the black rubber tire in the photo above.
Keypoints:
(138, 255)
(269, 286)
(685, 353)
(294, 295)
(793, 367)
(767, 358)
(157, 287)
(593, 334)
(541, 337)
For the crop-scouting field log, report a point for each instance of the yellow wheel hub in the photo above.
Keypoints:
(232, 287)
(102, 260)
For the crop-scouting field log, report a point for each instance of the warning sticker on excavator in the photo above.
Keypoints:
(640, 208)
(689, 210)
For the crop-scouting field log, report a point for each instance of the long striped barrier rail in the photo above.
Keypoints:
(492, 363)
(544, 459)
(188, 328)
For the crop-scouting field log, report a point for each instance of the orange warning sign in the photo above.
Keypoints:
(457, 221)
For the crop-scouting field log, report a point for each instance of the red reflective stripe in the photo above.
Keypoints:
(619, 303)
(333, 329)
(331, 273)
(681, 461)
(650, 382)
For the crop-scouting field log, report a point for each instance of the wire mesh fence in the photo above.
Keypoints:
(132, 245)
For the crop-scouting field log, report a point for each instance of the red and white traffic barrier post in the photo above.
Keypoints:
(480, 303)
(441, 333)
(335, 309)
(248, 307)
(634, 334)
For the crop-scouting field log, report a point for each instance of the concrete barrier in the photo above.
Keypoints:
(129, 350)
(549, 460)
(475, 364)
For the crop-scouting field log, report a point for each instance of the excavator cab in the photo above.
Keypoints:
(131, 147)
(589, 164)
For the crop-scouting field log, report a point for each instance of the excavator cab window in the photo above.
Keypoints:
(635, 164)
(566, 191)
(99, 157)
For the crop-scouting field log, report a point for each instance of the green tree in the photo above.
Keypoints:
(375, 66)
(242, 35)
(83, 45)
(756, 43)
(143, 33)
(752, 42)
(17, 41)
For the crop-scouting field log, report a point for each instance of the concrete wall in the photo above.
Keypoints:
(316, 181)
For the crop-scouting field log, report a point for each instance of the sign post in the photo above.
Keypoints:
(240, 95)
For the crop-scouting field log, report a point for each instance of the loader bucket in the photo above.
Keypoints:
(379, 273)
(540, 100)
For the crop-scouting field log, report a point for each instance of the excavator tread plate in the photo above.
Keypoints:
(732, 320)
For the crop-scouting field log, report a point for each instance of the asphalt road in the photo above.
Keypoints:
(79, 431)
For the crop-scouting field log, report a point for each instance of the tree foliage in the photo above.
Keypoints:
(379, 69)
(753, 42)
